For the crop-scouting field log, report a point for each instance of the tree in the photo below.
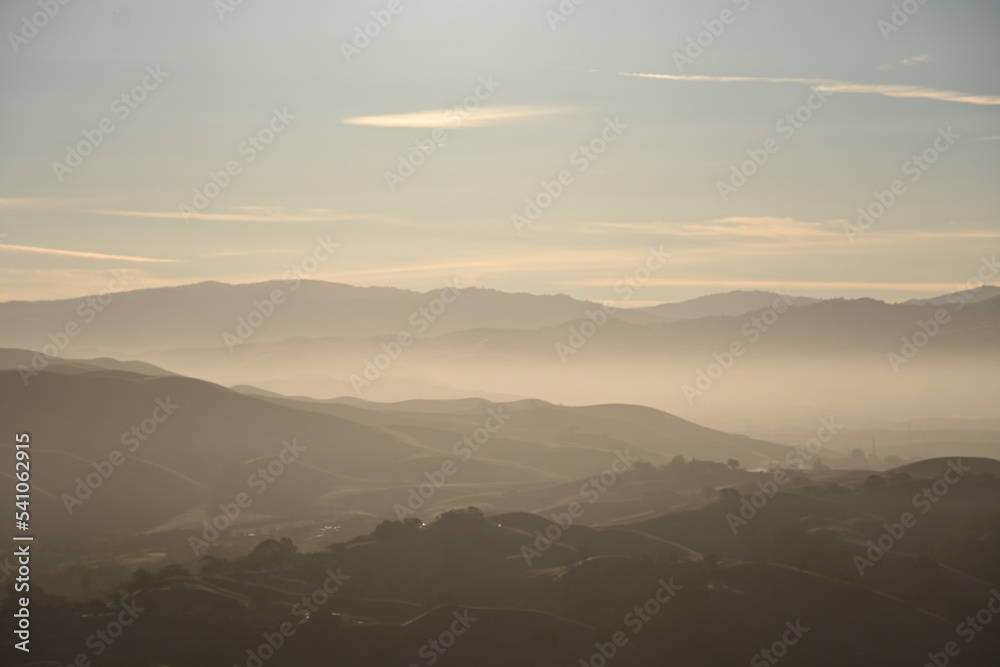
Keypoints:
(140, 580)
(390, 530)
(874, 482)
(461, 516)
(733, 463)
(677, 463)
(273, 553)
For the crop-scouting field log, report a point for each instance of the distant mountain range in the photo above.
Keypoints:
(936, 357)
(729, 304)
(974, 295)
(200, 315)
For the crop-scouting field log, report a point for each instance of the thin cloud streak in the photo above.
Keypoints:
(248, 214)
(450, 118)
(770, 228)
(834, 86)
(81, 254)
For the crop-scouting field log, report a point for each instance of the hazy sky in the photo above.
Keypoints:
(211, 78)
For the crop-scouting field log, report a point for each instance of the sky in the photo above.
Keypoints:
(238, 141)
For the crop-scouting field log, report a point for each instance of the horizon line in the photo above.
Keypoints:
(627, 304)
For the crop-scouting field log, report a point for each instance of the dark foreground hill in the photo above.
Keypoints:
(809, 576)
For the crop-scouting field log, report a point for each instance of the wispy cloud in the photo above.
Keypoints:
(445, 118)
(916, 60)
(969, 234)
(772, 229)
(834, 86)
(81, 254)
(250, 214)
(760, 228)
(909, 62)
(245, 253)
